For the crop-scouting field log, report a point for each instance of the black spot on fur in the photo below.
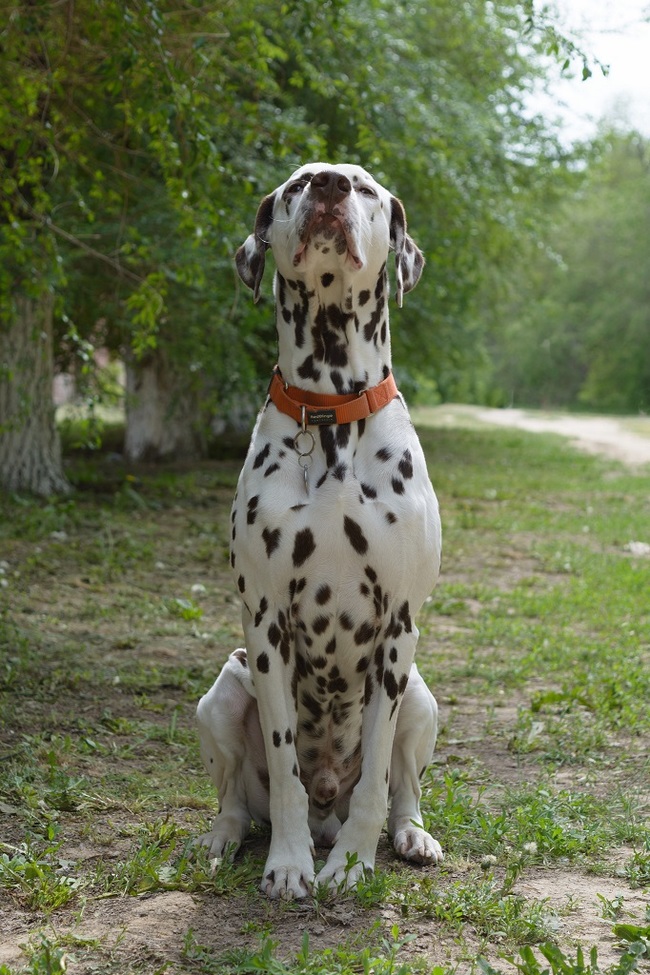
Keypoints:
(252, 509)
(241, 584)
(379, 663)
(288, 737)
(397, 485)
(271, 469)
(364, 297)
(390, 684)
(345, 621)
(368, 491)
(307, 370)
(263, 663)
(261, 457)
(271, 540)
(355, 535)
(323, 594)
(259, 615)
(303, 546)
(320, 624)
(326, 280)
(277, 739)
(393, 655)
(383, 454)
(391, 518)
(406, 465)
(337, 685)
(274, 634)
(405, 616)
(364, 633)
(331, 646)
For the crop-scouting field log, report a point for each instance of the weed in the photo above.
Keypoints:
(610, 909)
(485, 903)
(347, 959)
(637, 868)
(40, 879)
(561, 964)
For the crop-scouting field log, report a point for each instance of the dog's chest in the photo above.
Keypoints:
(330, 703)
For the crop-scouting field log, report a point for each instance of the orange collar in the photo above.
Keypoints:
(309, 408)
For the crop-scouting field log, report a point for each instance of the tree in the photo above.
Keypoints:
(123, 132)
(137, 140)
(578, 320)
(431, 98)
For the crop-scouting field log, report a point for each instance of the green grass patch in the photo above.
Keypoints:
(116, 612)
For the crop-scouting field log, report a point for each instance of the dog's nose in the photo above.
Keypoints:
(330, 186)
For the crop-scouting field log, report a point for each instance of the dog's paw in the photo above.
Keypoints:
(219, 843)
(415, 844)
(287, 882)
(341, 875)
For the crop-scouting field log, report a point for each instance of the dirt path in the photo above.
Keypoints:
(609, 436)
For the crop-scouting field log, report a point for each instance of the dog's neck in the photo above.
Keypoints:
(333, 334)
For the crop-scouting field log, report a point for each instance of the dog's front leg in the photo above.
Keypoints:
(289, 870)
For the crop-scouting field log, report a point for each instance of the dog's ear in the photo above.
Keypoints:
(409, 259)
(251, 256)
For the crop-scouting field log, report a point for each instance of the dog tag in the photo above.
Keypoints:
(304, 456)
(304, 460)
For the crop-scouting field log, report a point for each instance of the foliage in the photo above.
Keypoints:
(577, 321)
(137, 142)
(562, 964)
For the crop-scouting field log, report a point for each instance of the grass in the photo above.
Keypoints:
(116, 612)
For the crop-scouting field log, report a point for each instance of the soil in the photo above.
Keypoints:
(147, 933)
(607, 436)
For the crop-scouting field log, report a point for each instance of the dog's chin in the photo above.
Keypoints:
(324, 232)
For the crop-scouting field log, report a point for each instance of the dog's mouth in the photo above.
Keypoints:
(326, 230)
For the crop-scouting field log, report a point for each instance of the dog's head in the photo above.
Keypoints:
(330, 219)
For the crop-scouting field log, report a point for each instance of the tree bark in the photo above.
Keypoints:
(162, 412)
(30, 449)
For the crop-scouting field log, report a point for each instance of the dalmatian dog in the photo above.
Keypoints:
(323, 721)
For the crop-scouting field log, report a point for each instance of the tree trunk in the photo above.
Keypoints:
(30, 449)
(162, 412)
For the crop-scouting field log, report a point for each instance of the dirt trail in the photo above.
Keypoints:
(595, 434)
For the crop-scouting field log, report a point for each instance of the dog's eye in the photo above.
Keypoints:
(367, 191)
(296, 187)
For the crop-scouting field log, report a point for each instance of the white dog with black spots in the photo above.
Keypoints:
(323, 726)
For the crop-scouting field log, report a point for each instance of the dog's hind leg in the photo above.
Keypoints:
(232, 750)
(415, 739)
